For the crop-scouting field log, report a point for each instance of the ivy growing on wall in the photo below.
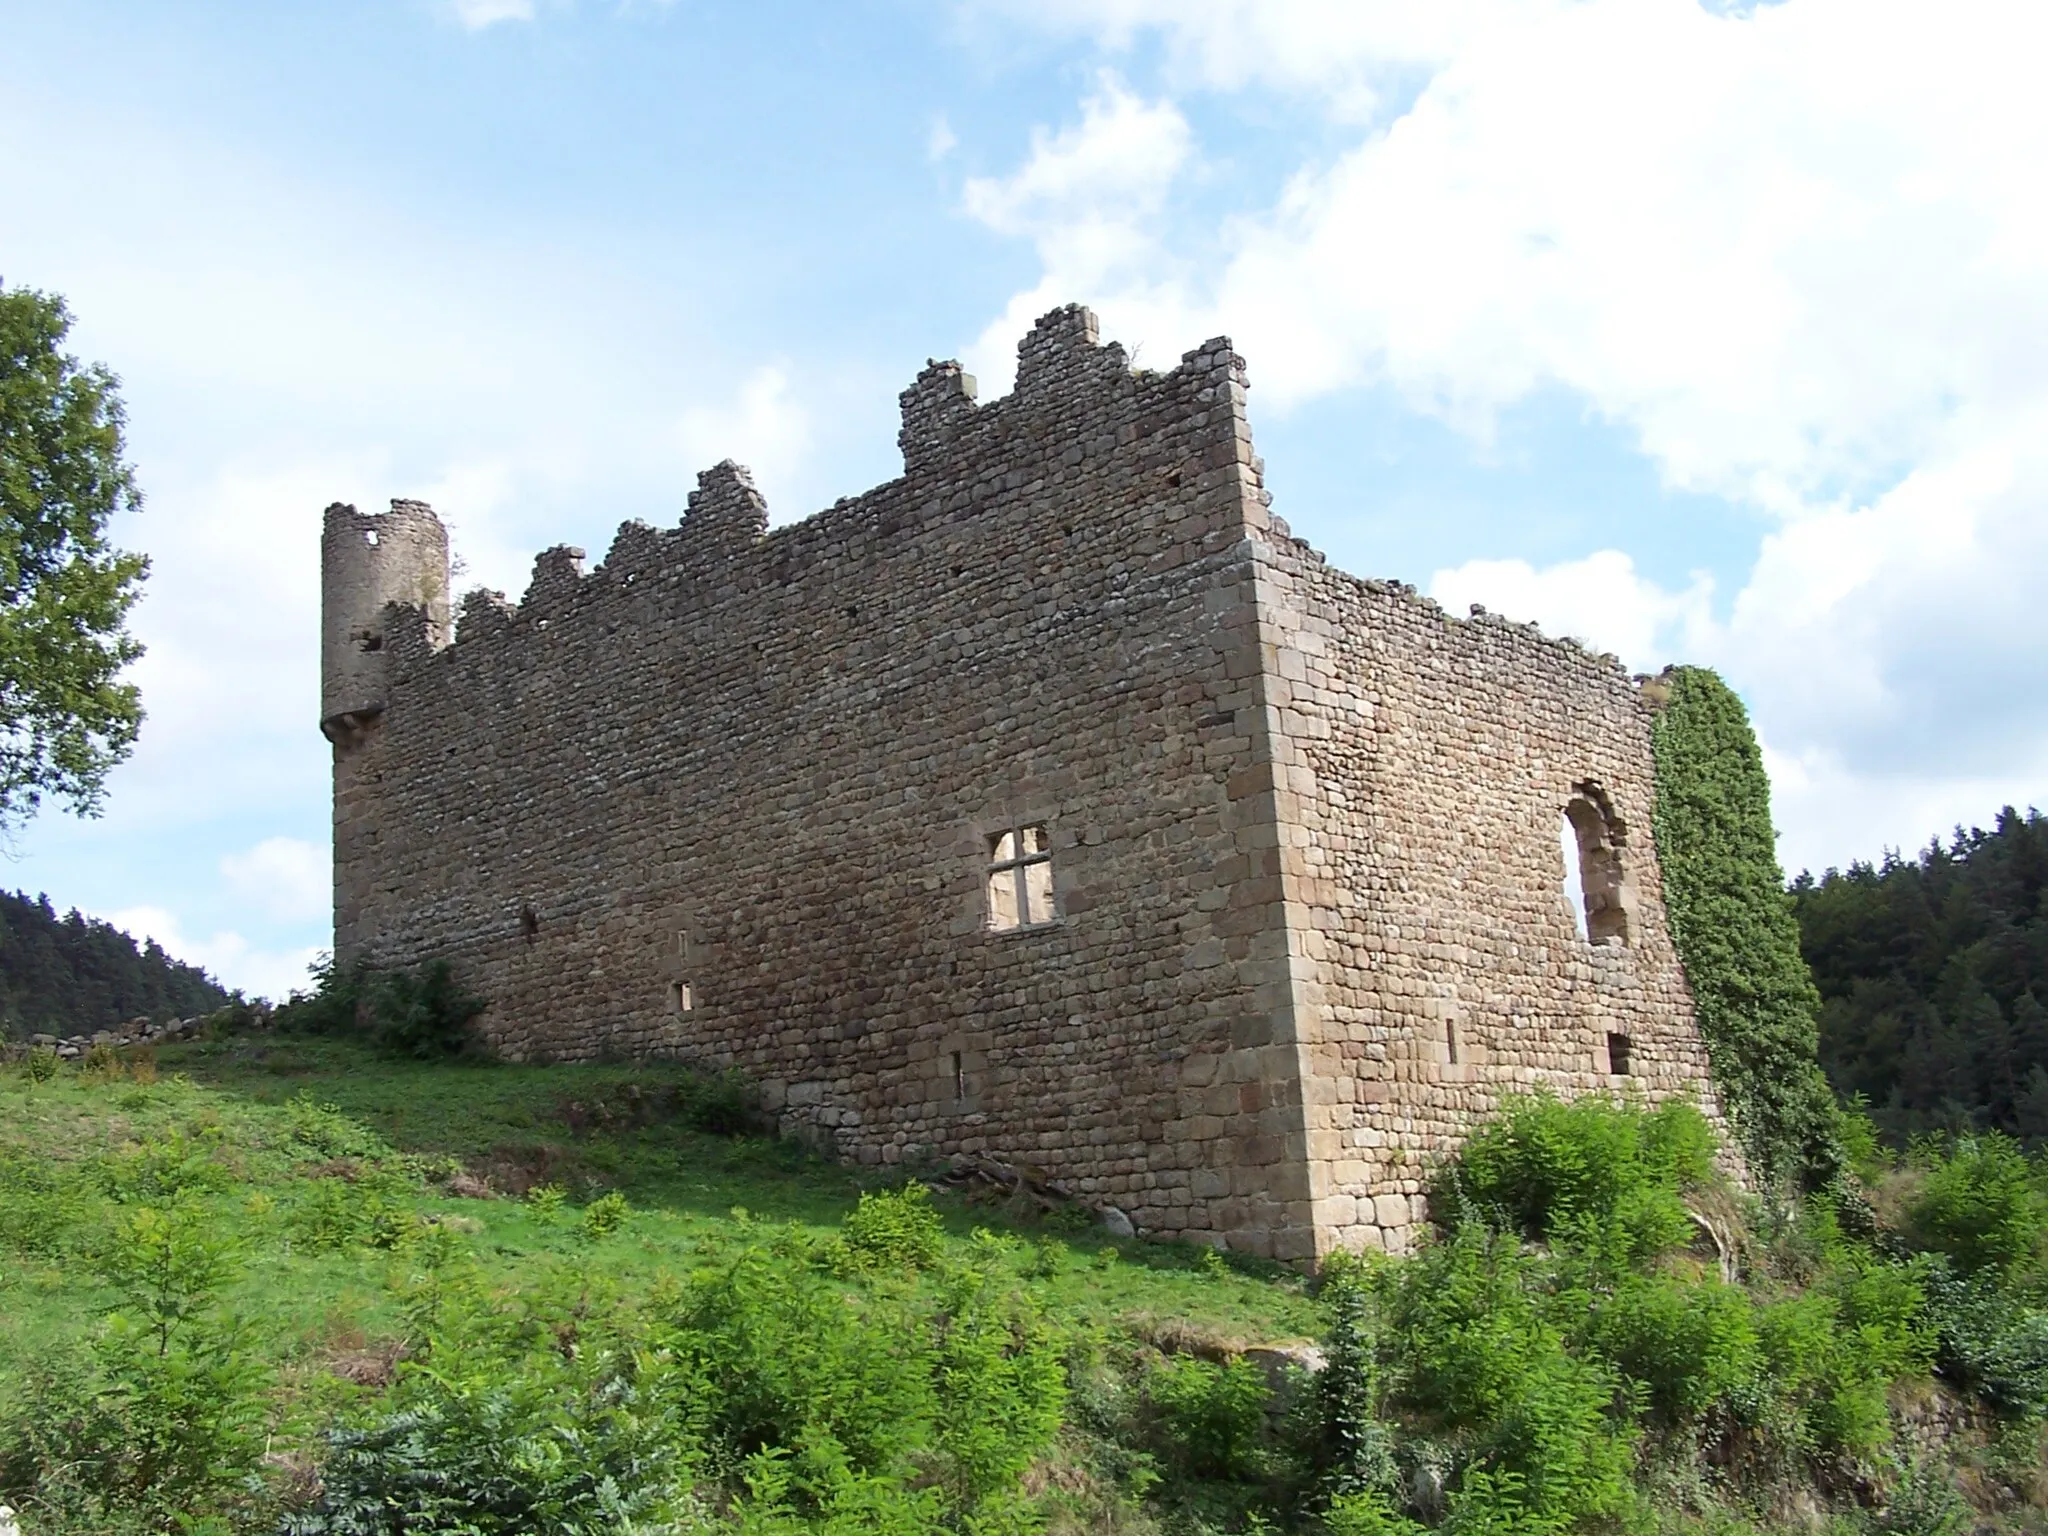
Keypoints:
(1733, 924)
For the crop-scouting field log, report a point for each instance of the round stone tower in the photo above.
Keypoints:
(367, 562)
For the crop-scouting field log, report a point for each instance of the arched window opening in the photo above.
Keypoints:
(1590, 840)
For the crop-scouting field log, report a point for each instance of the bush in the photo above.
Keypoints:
(1989, 1342)
(422, 1013)
(1476, 1354)
(1831, 1354)
(1978, 1204)
(39, 1202)
(1353, 1451)
(161, 1418)
(536, 1444)
(1686, 1346)
(894, 1228)
(1210, 1419)
(604, 1216)
(1591, 1171)
(790, 1361)
(892, 1402)
(720, 1103)
(1925, 1503)
(1001, 1387)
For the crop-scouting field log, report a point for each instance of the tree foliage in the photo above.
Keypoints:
(73, 974)
(1735, 932)
(65, 592)
(1933, 974)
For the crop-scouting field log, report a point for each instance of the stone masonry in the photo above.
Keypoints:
(1326, 870)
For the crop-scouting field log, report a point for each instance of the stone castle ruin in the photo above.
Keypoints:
(1048, 803)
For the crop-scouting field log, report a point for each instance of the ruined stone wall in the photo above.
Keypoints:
(731, 797)
(758, 773)
(1429, 762)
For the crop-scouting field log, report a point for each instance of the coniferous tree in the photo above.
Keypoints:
(71, 975)
(1933, 973)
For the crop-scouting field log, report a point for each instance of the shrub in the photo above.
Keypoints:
(1925, 1503)
(1989, 1343)
(325, 1131)
(1367, 1513)
(473, 1443)
(1475, 1354)
(41, 1063)
(39, 1203)
(1978, 1204)
(166, 1167)
(1353, 1452)
(790, 1361)
(329, 1009)
(1589, 1171)
(604, 1216)
(546, 1202)
(1210, 1419)
(1831, 1354)
(894, 1227)
(720, 1103)
(371, 1208)
(1686, 1346)
(161, 1417)
(1001, 1388)
(421, 1013)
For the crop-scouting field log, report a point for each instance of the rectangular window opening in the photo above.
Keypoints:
(1020, 878)
(1618, 1055)
(1451, 1039)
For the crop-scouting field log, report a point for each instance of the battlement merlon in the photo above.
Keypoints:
(1076, 398)
(370, 562)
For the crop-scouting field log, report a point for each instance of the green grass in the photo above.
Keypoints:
(517, 1126)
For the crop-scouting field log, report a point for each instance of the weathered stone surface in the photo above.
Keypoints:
(733, 796)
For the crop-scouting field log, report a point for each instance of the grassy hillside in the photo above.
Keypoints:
(281, 1284)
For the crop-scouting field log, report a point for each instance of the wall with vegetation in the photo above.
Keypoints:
(1725, 899)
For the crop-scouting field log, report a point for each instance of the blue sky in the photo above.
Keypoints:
(1704, 333)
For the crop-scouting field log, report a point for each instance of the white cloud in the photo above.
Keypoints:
(1895, 654)
(1602, 601)
(226, 955)
(1694, 219)
(478, 14)
(1796, 251)
(286, 876)
(1089, 198)
(764, 427)
(941, 141)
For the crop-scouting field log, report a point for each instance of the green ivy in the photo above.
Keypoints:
(1735, 931)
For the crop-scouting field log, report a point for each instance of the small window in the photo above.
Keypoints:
(1451, 1040)
(959, 1077)
(1618, 1055)
(1019, 878)
(681, 999)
